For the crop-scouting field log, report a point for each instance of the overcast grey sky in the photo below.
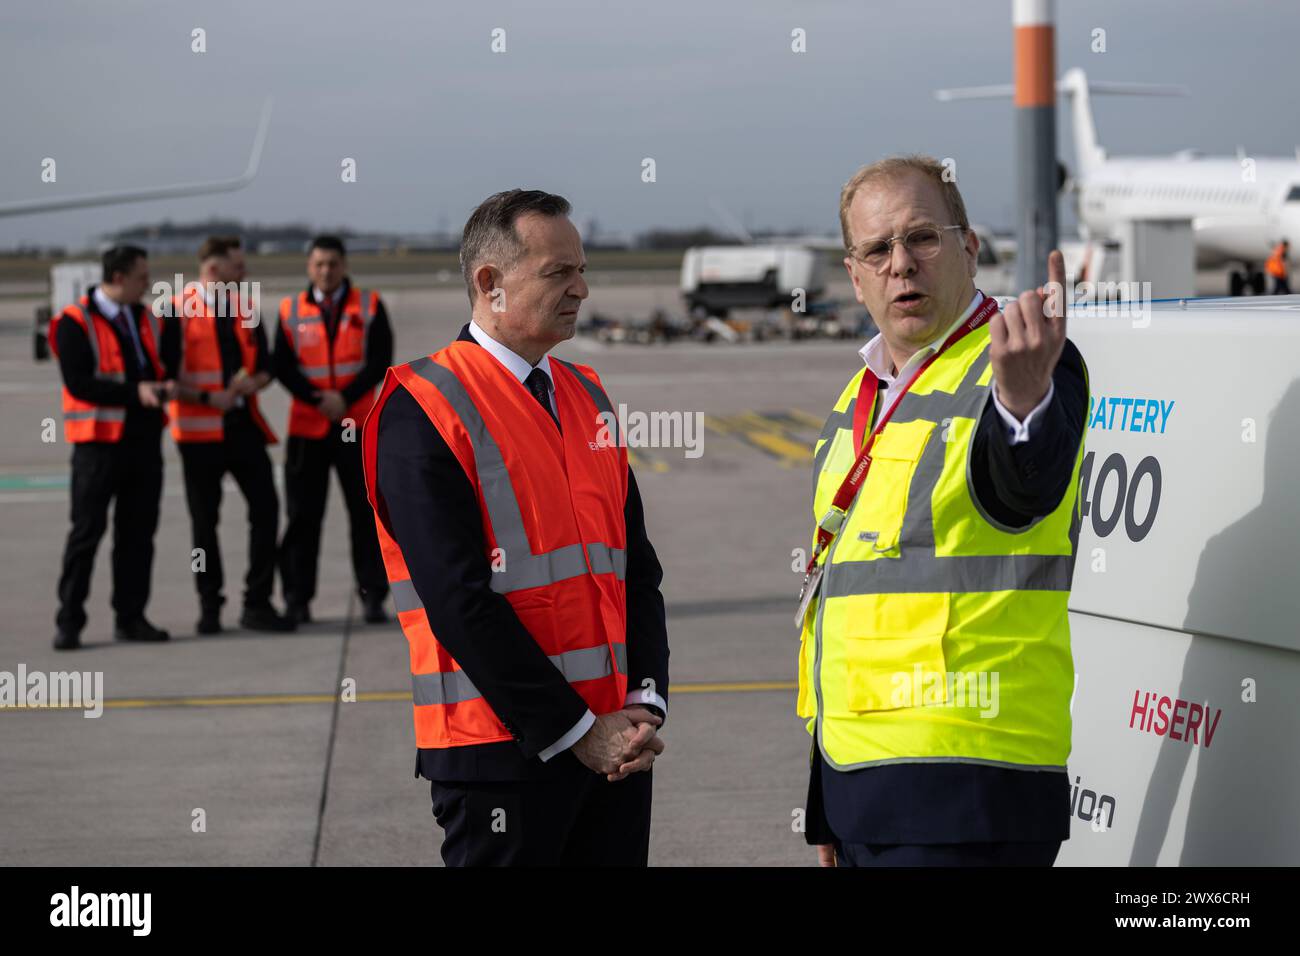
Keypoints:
(586, 89)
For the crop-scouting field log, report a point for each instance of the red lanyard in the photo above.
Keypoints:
(867, 392)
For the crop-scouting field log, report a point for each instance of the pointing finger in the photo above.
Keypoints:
(1015, 326)
(1054, 305)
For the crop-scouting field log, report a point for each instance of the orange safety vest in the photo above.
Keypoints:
(86, 421)
(552, 512)
(1276, 265)
(200, 367)
(324, 363)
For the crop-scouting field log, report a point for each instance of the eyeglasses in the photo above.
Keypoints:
(923, 242)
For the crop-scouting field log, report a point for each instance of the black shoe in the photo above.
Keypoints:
(265, 618)
(299, 613)
(209, 621)
(67, 641)
(374, 609)
(139, 630)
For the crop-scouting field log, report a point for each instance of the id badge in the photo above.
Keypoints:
(810, 586)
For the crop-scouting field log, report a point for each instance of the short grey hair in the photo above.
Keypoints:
(891, 168)
(490, 234)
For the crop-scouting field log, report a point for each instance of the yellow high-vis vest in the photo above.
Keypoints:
(938, 634)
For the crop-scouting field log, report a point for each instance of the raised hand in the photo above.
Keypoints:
(1026, 339)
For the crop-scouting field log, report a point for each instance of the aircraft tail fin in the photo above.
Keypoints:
(1075, 84)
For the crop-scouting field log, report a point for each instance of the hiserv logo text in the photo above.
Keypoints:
(1179, 719)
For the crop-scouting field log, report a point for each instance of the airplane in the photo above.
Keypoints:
(69, 281)
(28, 207)
(1240, 207)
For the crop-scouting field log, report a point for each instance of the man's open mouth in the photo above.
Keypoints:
(907, 298)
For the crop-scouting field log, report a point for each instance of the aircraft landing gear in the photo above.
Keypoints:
(1251, 279)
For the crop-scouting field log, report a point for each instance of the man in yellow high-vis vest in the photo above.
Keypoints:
(934, 667)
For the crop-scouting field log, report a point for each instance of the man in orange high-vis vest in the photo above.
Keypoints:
(219, 428)
(1276, 266)
(514, 541)
(332, 345)
(109, 349)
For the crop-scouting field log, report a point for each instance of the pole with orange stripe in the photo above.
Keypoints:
(1035, 97)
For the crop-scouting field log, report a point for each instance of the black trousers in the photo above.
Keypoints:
(947, 854)
(243, 454)
(577, 819)
(306, 488)
(129, 472)
(1281, 286)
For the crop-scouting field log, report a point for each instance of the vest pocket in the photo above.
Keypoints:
(894, 657)
(804, 705)
(878, 515)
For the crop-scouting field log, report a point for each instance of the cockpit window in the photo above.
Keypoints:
(1294, 194)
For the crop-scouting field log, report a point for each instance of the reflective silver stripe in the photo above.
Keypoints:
(315, 371)
(590, 663)
(404, 596)
(606, 560)
(837, 420)
(191, 423)
(922, 572)
(209, 377)
(523, 569)
(587, 663)
(88, 318)
(937, 406)
(538, 570)
(155, 328)
(111, 376)
(443, 687)
(99, 413)
(348, 368)
(834, 422)
(292, 324)
(366, 318)
(597, 395)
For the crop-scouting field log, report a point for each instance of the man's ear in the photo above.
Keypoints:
(973, 250)
(485, 280)
(853, 278)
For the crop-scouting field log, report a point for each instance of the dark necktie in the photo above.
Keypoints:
(540, 385)
(327, 313)
(129, 347)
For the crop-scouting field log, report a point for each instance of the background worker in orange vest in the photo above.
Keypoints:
(223, 364)
(332, 346)
(1276, 266)
(114, 380)
(522, 574)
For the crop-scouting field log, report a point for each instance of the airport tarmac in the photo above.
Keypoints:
(248, 728)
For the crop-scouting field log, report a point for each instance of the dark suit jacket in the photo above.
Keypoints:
(428, 505)
(78, 366)
(969, 803)
(379, 355)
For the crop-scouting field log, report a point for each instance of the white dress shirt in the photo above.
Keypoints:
(515, 364)
(876, 356)
(518, 366)
(318, 296)
(109, 310)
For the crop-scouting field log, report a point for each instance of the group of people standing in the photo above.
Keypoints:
(196, 360)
